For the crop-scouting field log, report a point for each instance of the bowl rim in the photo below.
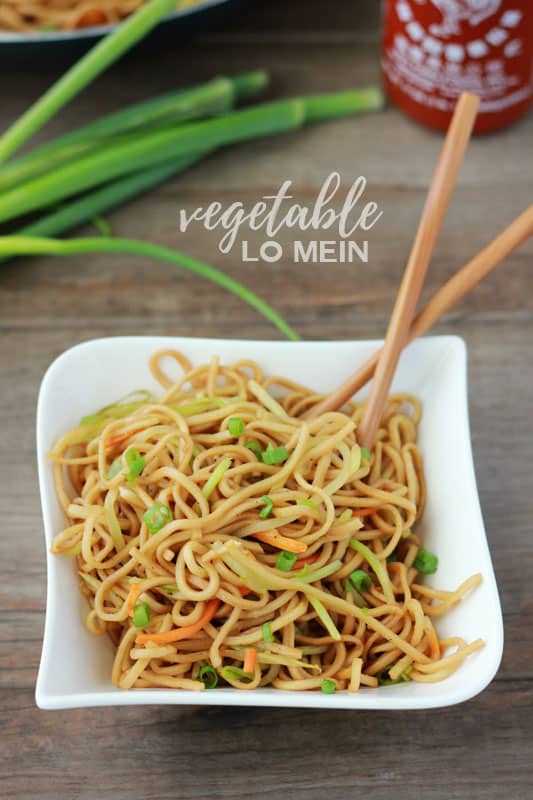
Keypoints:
(265, 697)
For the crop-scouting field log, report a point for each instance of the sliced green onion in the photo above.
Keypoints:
(312, 575)
(392, 558)
(286, 561)
(365, 454)
(365, 611)
(377, 566)
(169, 587)
(274, 455)
(361, 580)
(157, 516)
(286, 661)
(266, 629)
(236, 426)
(328, 686)
(234, 673)
(208, 676)
(305, 502)
(324, 617)
(114, 469)
(198, 406)
(426, 562)
(267, 510)
(141, 615)
(255, 448)
(216, 476)
(135, 462)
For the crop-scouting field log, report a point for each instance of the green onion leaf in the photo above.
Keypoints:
(255, 448)
(216, 476)
(426, 562)
(141, 615)
(392, 558)
(114, 469)
(349, 589)
(136, 464)
(309, 575)
(365, 454)
(102, 225)
(324, 617)
(360, 580)
(274, 455)
(169, 587)
(267, 510)
(157, 516)
(285, 561)
(208, 676)
(234, 673)
(328, 686)
(236, 426)
(266, 629)
(385, 680)
(305, 502)
(377, 566)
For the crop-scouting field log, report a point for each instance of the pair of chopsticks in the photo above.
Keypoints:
(403, 325)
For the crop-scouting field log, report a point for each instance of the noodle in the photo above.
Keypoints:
(215, 527)
(30, 16)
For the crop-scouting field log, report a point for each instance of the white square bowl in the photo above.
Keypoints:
(75, 666)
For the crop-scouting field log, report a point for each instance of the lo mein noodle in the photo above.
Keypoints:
(220, 538)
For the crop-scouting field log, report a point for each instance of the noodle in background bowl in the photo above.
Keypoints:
(75, 668)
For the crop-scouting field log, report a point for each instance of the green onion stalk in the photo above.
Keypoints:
(123, 157)
(218, 96)
(27, 245)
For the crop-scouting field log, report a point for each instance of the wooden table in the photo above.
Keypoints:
(479, 749)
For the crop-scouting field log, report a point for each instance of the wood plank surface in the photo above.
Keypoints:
(480, 749)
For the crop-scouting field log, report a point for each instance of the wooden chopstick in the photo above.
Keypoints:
(435, 207)
(442, 301)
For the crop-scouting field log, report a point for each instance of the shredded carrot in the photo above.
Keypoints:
(303, 561)
(275, 539)
(134, 593)
(118, 438)
(250, 657)
(244, 590)
(364, 512)
(434, 646)
(176, 634)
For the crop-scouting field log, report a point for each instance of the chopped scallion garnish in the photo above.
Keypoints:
(274, 455)
(208, 676)
(360, 580)
(135, 463)
(266, 629)
(141, 615)
(365, 454)
(157, 516)
(267, 510)
(328, 686)
(285, 561)
(236, 426)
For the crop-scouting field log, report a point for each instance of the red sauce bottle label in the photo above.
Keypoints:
(435, 49)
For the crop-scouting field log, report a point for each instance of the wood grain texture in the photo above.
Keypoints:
(478, 749)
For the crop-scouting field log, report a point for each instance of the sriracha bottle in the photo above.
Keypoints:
(435, 49)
